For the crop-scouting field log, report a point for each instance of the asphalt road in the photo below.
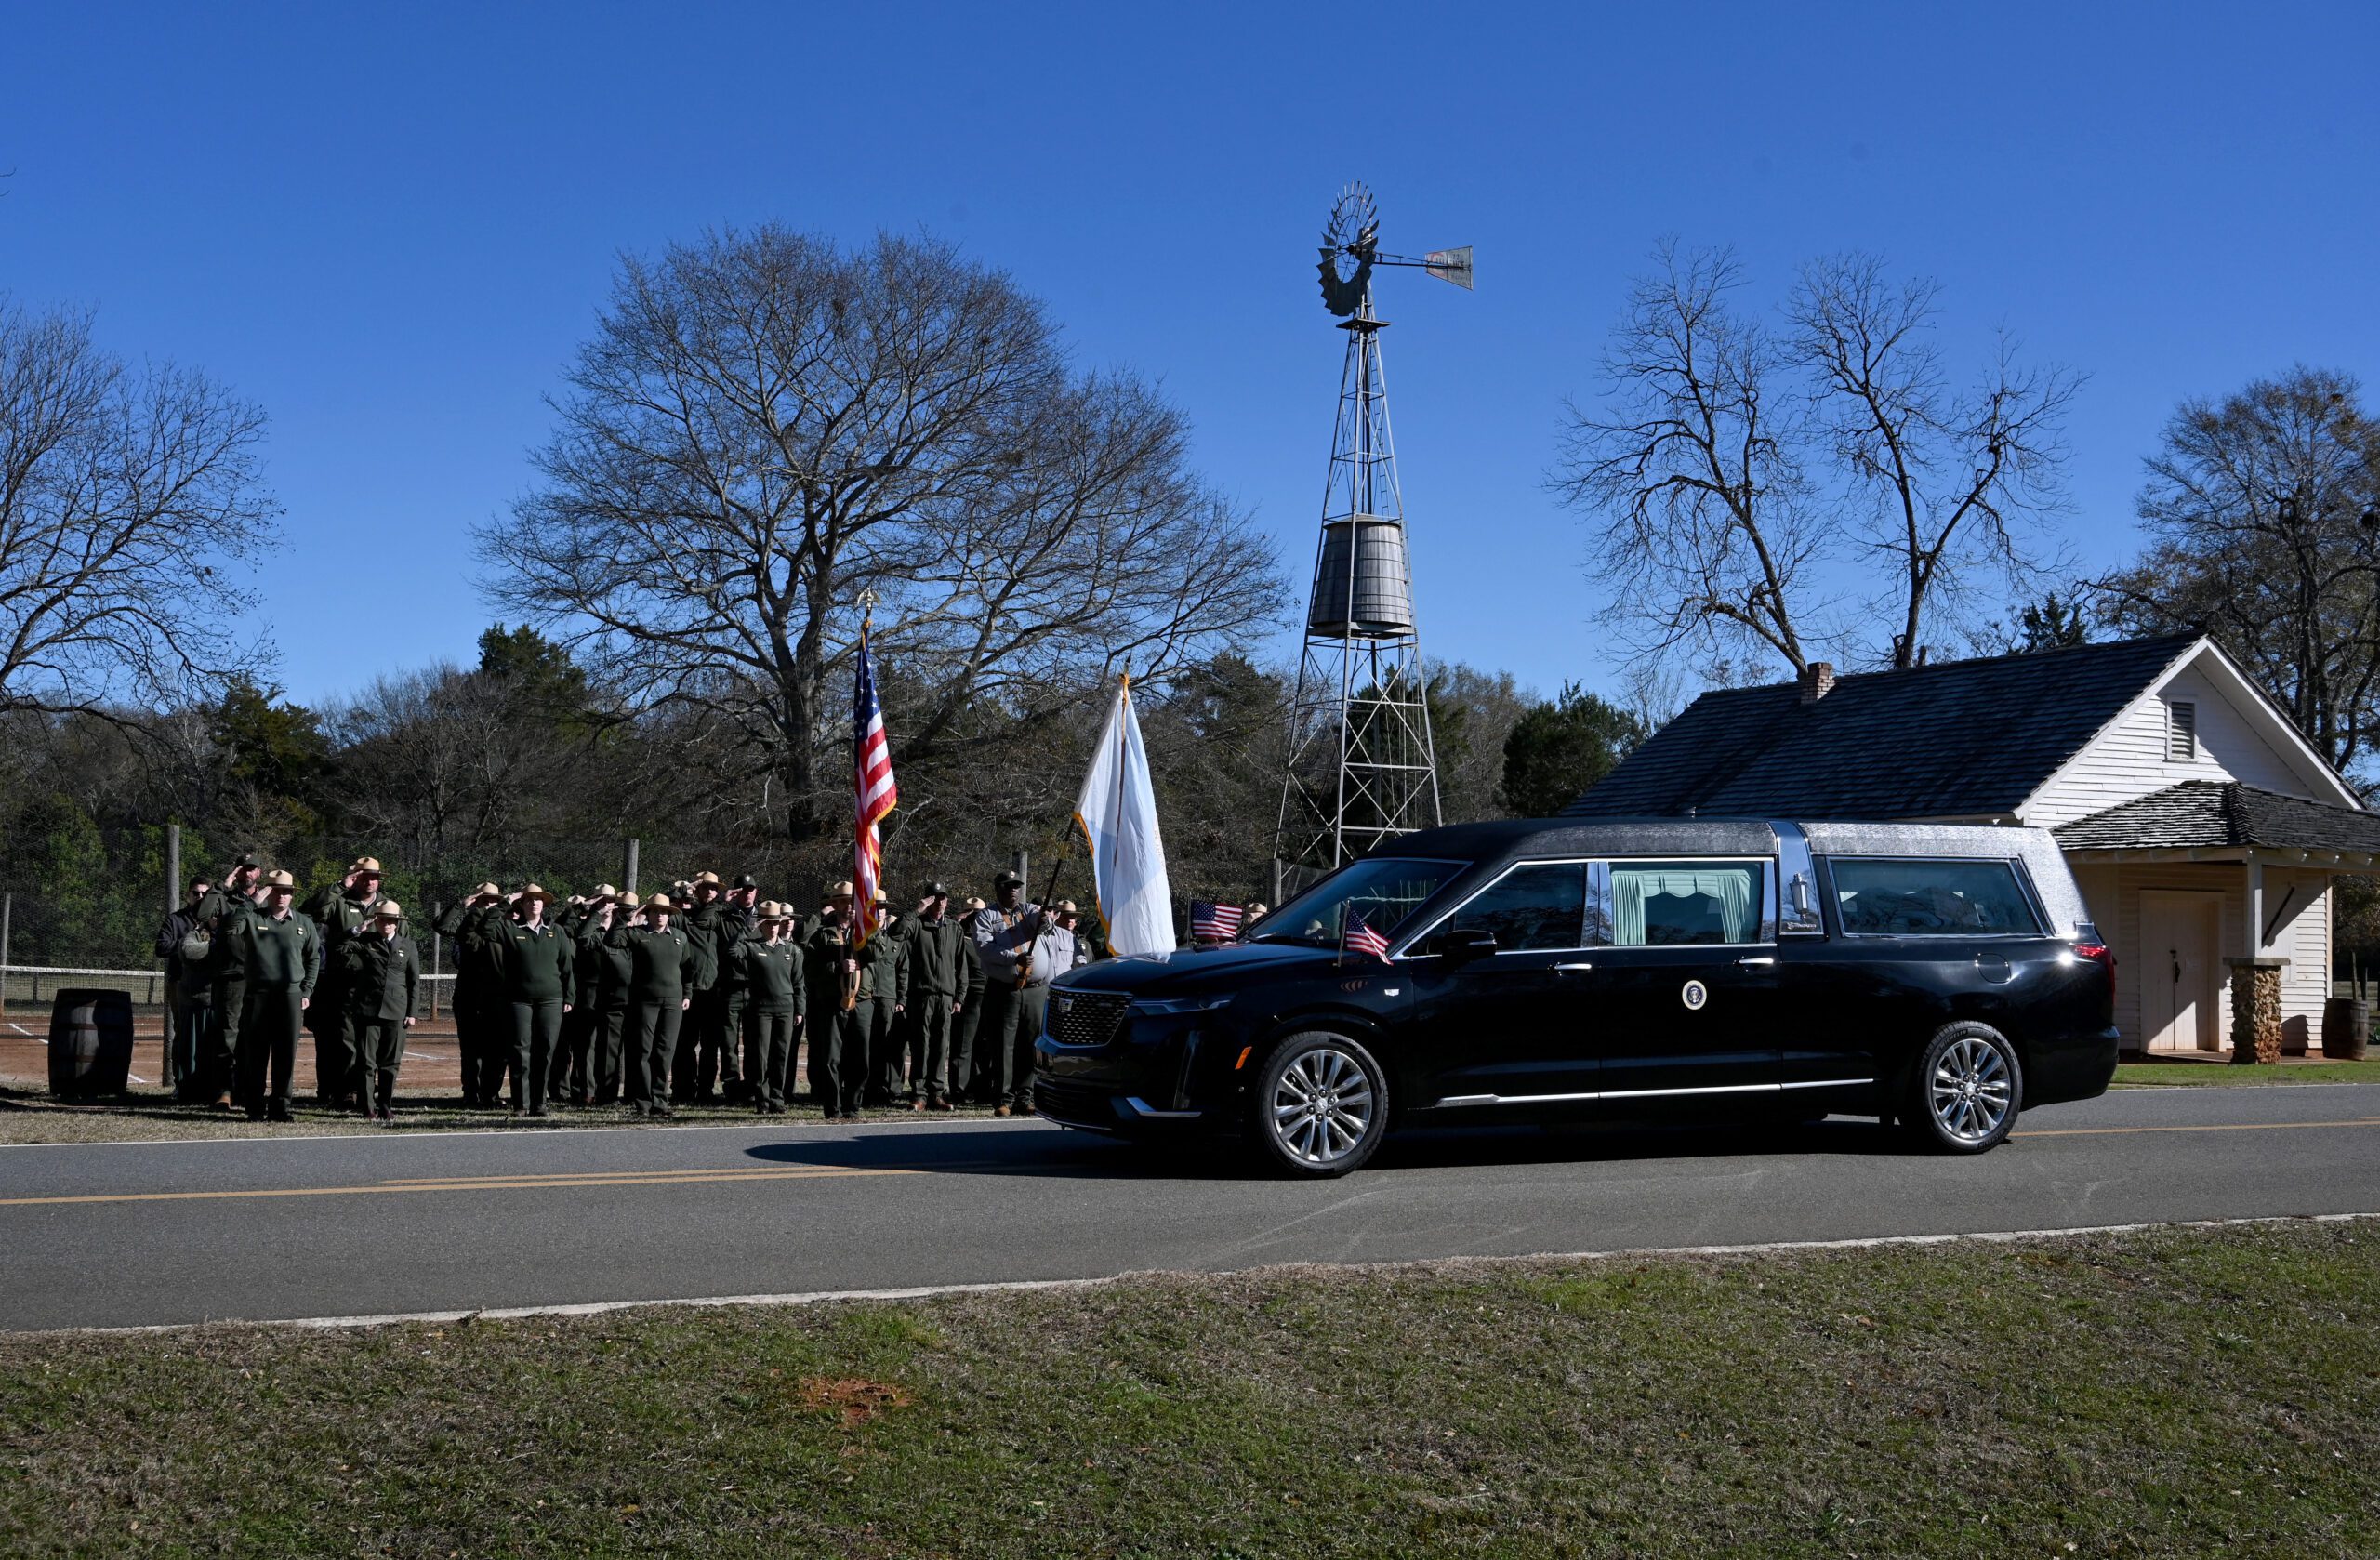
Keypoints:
(137, 1234)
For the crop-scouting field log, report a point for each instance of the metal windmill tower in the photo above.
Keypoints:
(1362, 768)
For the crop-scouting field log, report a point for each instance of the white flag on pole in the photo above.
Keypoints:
(1117, 815)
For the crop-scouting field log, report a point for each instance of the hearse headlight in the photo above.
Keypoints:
(1168, 1005)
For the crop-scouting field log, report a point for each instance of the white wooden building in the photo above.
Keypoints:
(2204, 831)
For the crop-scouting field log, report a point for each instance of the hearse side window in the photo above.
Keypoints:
(1930, 898)
(1673, 904)
(1530, 907)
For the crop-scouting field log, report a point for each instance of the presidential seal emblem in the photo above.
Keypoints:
(1694, 995)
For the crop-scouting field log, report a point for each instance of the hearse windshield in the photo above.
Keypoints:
(1380, 893)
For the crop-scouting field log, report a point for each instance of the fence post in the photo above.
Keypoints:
(8, 905)
(437, 947)
(627, 868)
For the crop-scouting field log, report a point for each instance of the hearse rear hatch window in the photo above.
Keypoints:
(1382, 893)
(1881, 896)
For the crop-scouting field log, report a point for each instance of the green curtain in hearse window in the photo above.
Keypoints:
(1658, 904)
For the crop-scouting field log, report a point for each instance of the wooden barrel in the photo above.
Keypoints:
(90, 1042)
(2346, 1028)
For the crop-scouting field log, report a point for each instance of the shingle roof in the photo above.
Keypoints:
(2222, 812)
(1956, 739)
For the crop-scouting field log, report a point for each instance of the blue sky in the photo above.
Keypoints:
(393, 230)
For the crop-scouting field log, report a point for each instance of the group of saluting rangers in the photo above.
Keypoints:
(707, 993)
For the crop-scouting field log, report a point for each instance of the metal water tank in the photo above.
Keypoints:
(1379, 583)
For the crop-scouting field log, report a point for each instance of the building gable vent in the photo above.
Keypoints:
(2181, 730)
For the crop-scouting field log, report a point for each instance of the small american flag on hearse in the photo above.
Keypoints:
(1361, 938)
(1215, 923)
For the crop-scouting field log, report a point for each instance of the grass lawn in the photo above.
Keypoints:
(2176, 1392)
(2222, 1075)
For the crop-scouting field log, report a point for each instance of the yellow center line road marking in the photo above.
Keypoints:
(491, 1184)
(2215, 1126)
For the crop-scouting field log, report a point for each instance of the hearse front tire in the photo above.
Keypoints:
(1965, 1093)
(1319, 1108)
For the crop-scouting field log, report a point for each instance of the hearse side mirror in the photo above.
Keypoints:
(1462, 946)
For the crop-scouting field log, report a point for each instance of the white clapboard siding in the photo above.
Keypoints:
(2130, 759)
(2303, 935)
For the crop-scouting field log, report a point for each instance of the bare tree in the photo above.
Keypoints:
(764, 426)
(1735, 471)
(127, 501)
(1693, 461)
(2265, 508)
(1955, 481)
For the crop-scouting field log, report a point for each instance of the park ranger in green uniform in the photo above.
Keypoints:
(380, 973)
(479, 995)
(936, 978)
(221, 915)
(604, 984)
(775, 993)
(538, 966)
(660, 961)
(886, 996)
(572, 1081)
(340, 914)
(704, 925)
(282, 949)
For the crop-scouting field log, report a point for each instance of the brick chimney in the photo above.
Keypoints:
(1817, 681)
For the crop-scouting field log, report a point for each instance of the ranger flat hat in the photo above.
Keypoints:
(1066, 907)
(703, 878)
(973, 902)
(533, 892)
(487, 891)
(1003, 879)
(660, 901)
(390, 910)
(277, 878)
(367, 865)
(840, 891)
(603, 892)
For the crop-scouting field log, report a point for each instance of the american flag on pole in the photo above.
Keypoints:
(1215, 923)
(1361, 938)
(875, 793)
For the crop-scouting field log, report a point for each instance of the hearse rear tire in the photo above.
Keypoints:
(1965, 1093)
(1319, 1108)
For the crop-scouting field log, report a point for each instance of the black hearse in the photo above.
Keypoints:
(1941, 976)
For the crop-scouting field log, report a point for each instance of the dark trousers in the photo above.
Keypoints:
(535, 1028)
(888, 1033)
(1021, 1027)
(335, 1057)
(930, 1025)
(268, 1025)
(706, 1053)
(726, 1043)
(963, 1025)
(991, 1058)
(768, 1054)
(837, 1057)
(652, 1049)
(223, 1047)
(604, 1048)
(569, 1076)
(194, 1041)
(482, 1025)
(379, 1052)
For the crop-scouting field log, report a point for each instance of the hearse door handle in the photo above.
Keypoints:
(1572, 969)
(1761, 960)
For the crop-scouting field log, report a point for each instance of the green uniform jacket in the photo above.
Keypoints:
(284, 952)
(706, 931)
(603, 970)
(536, 962)
(772, 977)
(222, 915)
(735, 931)
(381, 975)
(479, 965)
(892, 978)
(935, 967)
(661, 964)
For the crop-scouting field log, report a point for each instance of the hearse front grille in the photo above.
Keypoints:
(1085, 1018)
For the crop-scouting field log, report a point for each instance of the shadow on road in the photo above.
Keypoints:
(1081, 1155)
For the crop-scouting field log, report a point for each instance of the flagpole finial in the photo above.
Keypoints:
(867, 599)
